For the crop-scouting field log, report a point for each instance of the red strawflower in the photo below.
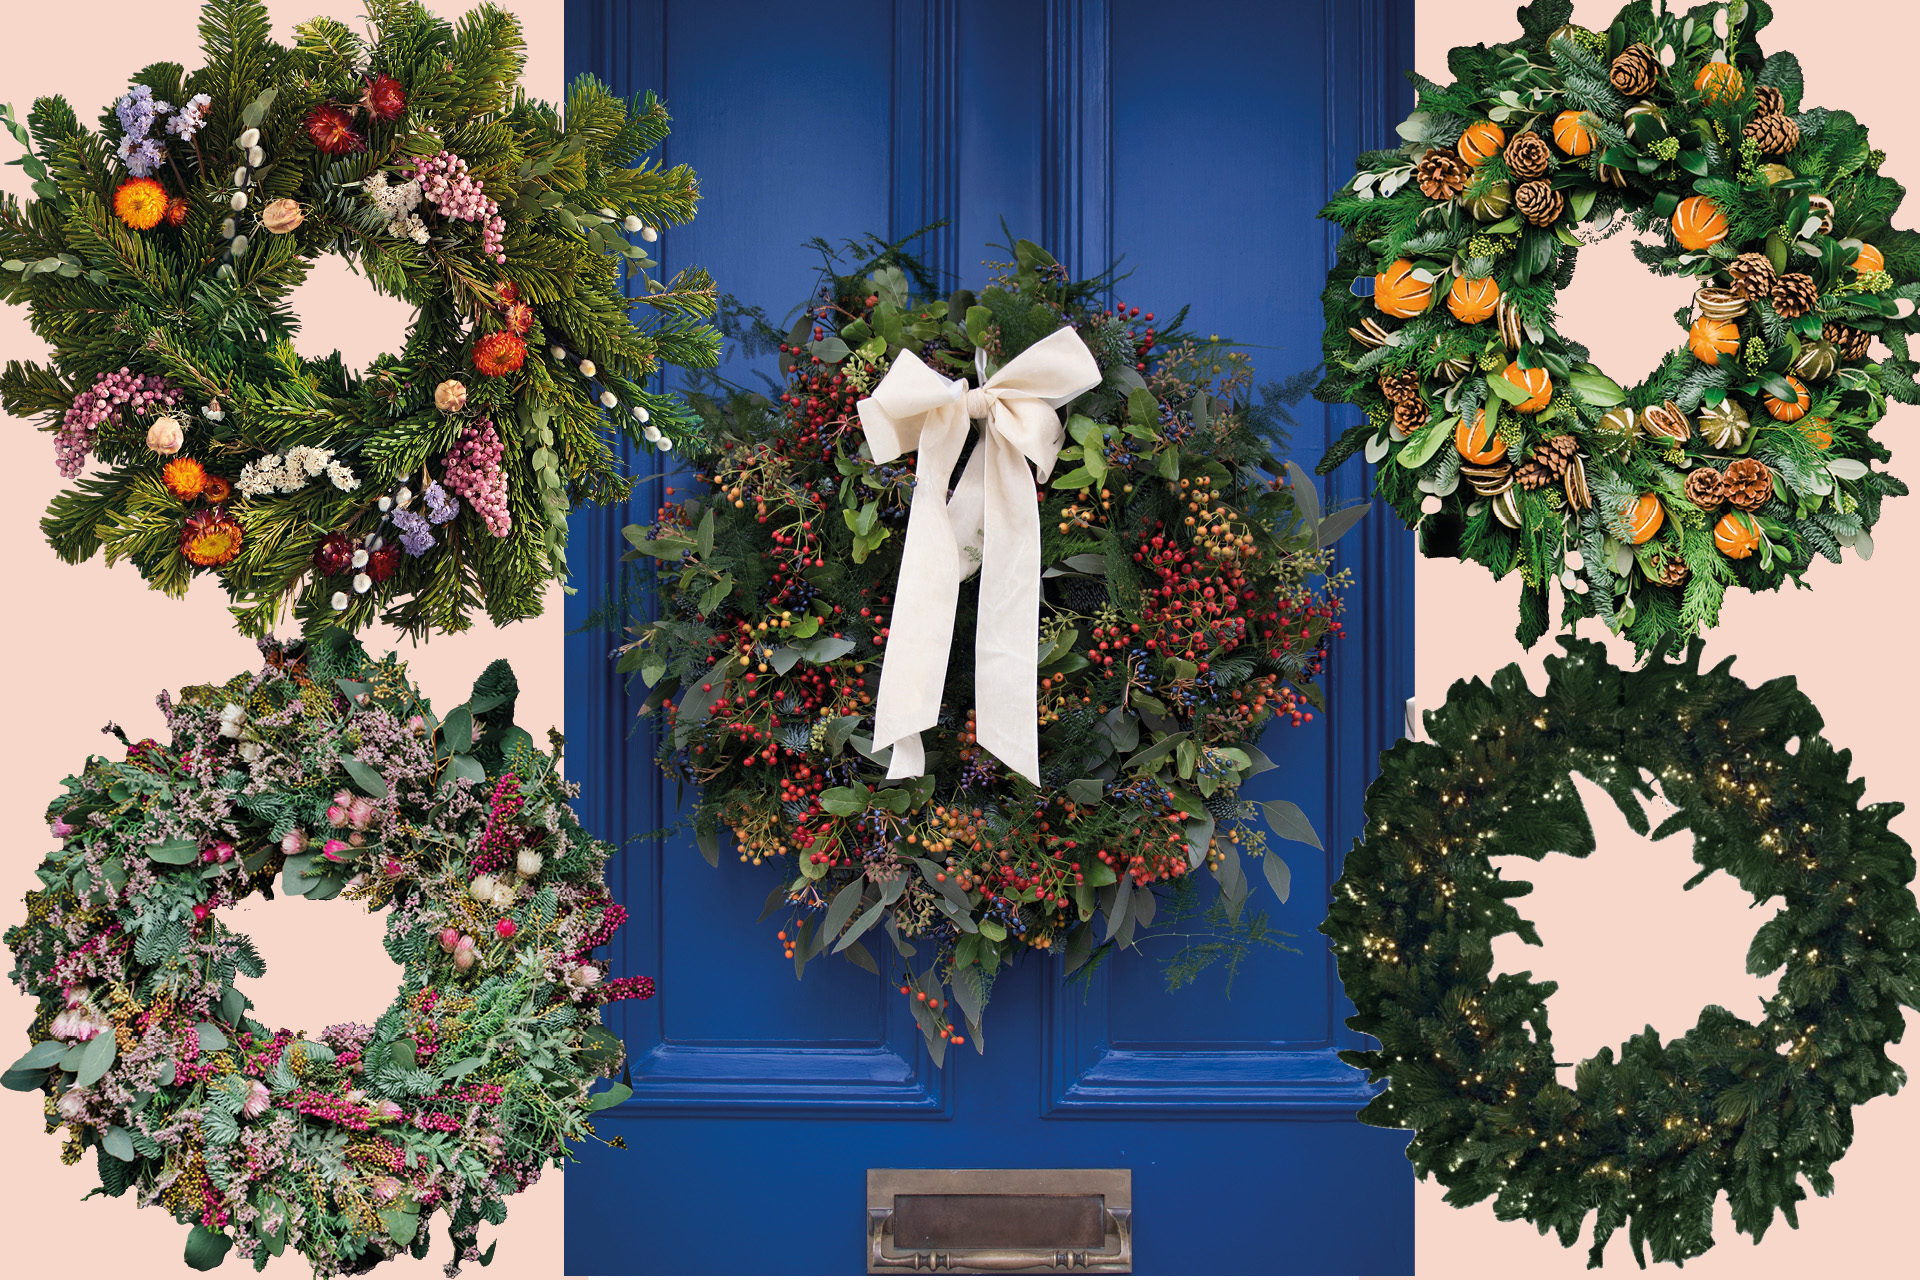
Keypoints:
(384, 563)
(385, 98)
(334, 555)
(498, 354)
(519, 318)
(507, 291)
(331, 129)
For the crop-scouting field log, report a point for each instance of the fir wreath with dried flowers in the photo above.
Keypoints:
(157, 262)
(1749, 450)
(1187, 604)
(329, 774)
(1649, 1139)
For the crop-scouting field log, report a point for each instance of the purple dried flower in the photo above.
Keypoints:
(441, 505)
(416, 536)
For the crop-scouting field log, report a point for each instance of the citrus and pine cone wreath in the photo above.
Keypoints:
(1776, 135)
(1768, 101)
(1748, 483)
(1851, 343)
(1668, 571)
(1532, 475)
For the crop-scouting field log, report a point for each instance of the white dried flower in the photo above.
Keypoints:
(361, 583)
(339, 601)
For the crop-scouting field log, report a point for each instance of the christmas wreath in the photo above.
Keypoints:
(1748, 451)
(1174, 600)
(1647, 1139)
(328, 774)
(158, 259)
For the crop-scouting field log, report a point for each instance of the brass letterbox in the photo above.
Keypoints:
(987, 1221)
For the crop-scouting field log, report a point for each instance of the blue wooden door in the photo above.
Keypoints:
(1196, 141)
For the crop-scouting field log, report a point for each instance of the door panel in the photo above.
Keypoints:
(1196, 146)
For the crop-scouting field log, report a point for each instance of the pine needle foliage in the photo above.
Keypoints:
(1622, 161)
(201, 299)
(1651, 1135)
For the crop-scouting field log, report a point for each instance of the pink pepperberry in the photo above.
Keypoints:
(505, 928)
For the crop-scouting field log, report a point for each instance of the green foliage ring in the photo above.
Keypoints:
(1649, 1138)
(1646, 504)
(325, 774)
(163, 245)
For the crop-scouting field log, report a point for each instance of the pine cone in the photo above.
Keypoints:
(1410, 414)
(1748, 483)
(1776, 135)
(1705, 488)
(1528, 156)
(1399, 386)
(1794, 294)
(1767, 101)
(1752, 275)
(1532, 475)
(1539, 203)
(1554, 454)
(1665, 422)
(1668, 571)
(1574, 481)
(1565, 446)
(1635, 70)
(1442, 175)
(1852, 343)
(1489, 482)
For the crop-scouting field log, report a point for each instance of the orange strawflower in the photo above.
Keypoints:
(176, 211)
(499, 354)
(211, 538)
(185, 479)
(216, 490)
(140, 203)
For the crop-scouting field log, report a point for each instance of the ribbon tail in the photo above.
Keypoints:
(909, 757)
(1006, 682)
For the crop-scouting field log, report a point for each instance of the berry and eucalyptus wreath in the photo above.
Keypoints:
(1649, 1138)
(1185, 602)
(159, 255)
(1749, 450)
(325, 774)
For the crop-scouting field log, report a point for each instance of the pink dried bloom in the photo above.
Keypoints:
(473, 472)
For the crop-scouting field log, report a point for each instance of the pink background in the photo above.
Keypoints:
(1626, 945)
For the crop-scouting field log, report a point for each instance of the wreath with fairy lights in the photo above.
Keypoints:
(157, 261)
(326, 774)
(1749, 450)
(1647, 1139)
(1186, 601)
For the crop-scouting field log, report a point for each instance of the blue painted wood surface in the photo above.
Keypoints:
(1195, 143)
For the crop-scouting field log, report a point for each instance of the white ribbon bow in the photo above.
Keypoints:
(991, 523)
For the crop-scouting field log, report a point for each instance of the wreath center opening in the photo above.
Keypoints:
(325, 961)
(337, 309)
(1620, 308)
(1629, 948)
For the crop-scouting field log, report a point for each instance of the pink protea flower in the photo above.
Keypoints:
(336, 815)
(505, 928)
(333, 849)
(61, 827)
(73, 1103)
(295, 841)
(449, 939)
(257, 1101)
(388, 1187)
(392, 869)
(388, 1110)
(360, 813)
